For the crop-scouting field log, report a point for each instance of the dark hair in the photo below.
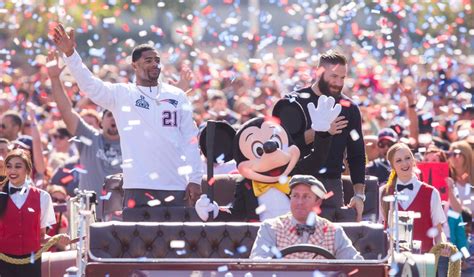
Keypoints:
(137, 51)
(466, 215)
(332, 57)
(17, 153)
(16, 118)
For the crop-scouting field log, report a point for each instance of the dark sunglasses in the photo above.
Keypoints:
(58, 200)
(382, 144)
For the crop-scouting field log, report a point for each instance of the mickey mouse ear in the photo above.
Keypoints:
(223, 141)
(291, 115)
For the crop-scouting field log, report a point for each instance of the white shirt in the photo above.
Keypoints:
(437, 213)
(47, 217)
(158, 135)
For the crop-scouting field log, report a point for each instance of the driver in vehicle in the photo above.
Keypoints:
(302, 225)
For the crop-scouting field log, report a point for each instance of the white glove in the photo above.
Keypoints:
(324, 114)
(204, 207)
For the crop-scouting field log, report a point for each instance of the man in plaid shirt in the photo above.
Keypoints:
(302, 225)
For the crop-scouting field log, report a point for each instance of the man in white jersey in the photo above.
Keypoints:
(160, 153)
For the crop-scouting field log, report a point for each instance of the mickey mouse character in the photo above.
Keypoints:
(266, 157)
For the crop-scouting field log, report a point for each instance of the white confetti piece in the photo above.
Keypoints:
(283, 179)
(354, 135)
(228, 274)
(465, 252)
(265, 248)
(453, 214)
(134, 122)
(389, 198)
(177, 244)
(109, 20)
(223, 268)
(126, 109)
(153, 176)
(32, 258)
(276, 252)
(228, 252)
(322, 170)
(74, 139)
(467, 189)
(249, 274)
(31, 210)
(142, 33)
(311, 219)
(85, 140)
(106, 197)
(432, 232)
(169, 198)
(181, 252)
(154, 202)
(220, 158)
(260, 209)
(242, 249)
(51, 63)
(318, 273)
(185, 170)
(457, 256)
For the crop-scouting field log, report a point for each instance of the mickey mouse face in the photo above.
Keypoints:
(269, 156)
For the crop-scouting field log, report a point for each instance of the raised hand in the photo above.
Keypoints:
(324, 114)
(53, 65)
(185, 77)
(337, 125)
(64, 41)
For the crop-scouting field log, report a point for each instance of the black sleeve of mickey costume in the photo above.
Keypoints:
(312, 163)
(243, 206)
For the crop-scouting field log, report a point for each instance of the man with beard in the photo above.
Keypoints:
(161, 158)
(99, 150)
(332, 70)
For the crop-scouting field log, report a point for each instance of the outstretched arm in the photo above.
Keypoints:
(38, 160)
(70, 116)
(102, 93)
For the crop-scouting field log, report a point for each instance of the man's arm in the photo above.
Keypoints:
(343, 246)
(189, 133)
(102, 93)
(266, 238)
(63, 103)
(356, 160)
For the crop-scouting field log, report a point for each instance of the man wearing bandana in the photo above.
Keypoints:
(303, 226)
(348, 143)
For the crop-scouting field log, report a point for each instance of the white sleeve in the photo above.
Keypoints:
(189, 133)
(437, 213)
(47, 210)
(343, 246)
(266, 239)
(102, 93)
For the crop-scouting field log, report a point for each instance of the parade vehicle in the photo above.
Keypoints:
(173, 241)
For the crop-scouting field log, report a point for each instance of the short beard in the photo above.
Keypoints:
(112, 132)
(323, 87)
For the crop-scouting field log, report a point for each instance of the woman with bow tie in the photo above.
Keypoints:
(25, 211)
(420, 198)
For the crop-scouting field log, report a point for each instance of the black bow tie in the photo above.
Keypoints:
(300, 228)
(401, 187)
(14, 190)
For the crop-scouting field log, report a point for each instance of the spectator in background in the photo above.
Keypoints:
(4, 149)
(59, 197)
(60, 137)
(462, 174)
(91, 117)
(11, 125)
(380, 167)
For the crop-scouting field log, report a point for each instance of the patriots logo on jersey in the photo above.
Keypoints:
(173, 102)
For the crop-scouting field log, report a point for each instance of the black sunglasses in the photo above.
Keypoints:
(383, 144)
(58, 200)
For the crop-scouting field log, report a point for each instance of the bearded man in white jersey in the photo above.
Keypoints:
(160, 153)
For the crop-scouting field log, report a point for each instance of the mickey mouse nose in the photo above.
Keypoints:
(270, 146)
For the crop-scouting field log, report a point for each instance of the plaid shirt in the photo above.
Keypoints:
(323, 236)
